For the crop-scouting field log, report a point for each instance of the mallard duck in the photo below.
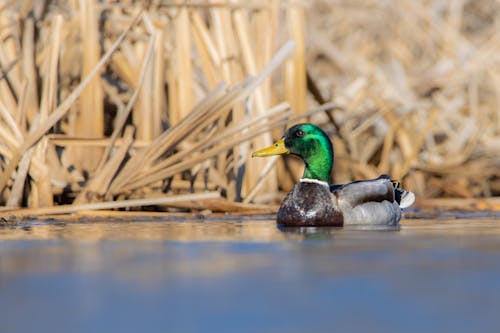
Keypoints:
(314, 202)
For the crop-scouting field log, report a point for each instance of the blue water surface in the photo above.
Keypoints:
(340, 281)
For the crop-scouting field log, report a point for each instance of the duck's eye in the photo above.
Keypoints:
(299, 133)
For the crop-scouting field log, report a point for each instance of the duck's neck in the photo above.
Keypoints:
(319, 166)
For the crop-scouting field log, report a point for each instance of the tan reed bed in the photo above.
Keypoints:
(107, 105)
(114, 105)
(420, 85)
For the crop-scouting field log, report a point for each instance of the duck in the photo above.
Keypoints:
(314, 202)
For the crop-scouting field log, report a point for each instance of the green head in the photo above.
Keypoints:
(311, 144)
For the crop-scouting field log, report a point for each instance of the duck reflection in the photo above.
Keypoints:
(329, 232)
(317, 233)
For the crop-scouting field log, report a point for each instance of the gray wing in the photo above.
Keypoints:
(371, 202)
(373, 190)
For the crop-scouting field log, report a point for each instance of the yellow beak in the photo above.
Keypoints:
(278, 148)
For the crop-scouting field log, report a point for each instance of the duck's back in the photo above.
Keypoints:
(309, 203)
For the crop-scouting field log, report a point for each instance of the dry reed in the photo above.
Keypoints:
(127, 102)
(420, 86)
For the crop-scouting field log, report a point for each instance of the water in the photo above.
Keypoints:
(249, 276)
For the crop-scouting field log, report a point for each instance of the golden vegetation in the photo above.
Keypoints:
(419, 82)
(107, 104)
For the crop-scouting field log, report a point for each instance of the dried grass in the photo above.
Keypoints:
(420, 86)
(108, 101)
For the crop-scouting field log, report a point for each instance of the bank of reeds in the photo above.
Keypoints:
(420, 85)
(107, 104)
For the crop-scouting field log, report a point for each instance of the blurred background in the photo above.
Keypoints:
(117, 100)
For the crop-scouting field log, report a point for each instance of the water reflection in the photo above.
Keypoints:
(328, 232)
(87, 247)
(256, 231)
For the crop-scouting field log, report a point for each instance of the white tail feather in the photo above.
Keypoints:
(407, 199)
